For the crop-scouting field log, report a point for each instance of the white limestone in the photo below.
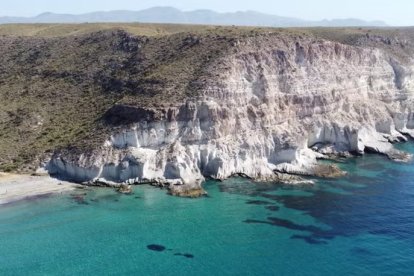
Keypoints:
(263, 114)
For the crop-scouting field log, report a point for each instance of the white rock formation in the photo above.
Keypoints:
(263, 113)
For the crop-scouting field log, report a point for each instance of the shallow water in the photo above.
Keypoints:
(362, 224)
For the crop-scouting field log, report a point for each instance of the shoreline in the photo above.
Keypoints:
(16, 187)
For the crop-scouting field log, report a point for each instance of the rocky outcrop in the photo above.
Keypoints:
(275, 106)
(125, 189)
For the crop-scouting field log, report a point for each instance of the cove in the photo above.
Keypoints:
(360, 224)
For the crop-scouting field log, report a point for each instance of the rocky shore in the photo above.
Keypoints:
(277, 107)
(181, 108)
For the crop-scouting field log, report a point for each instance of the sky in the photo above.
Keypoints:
(393, 12)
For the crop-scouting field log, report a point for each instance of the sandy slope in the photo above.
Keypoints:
(16, 187)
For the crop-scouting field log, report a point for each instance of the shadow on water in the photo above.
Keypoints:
(80, 198)
(156, 247)
(374, 204)
(375, 167)
(99, 195)
(187, 255)
(162, 248)
(273, 208)
(258, 202)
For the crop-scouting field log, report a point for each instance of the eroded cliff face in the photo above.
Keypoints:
(273, 107)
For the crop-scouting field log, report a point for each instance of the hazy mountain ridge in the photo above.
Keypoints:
(172, 15)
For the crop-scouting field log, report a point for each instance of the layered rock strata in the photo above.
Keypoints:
(274, 107)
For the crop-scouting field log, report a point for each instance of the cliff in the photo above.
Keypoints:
(216, 102)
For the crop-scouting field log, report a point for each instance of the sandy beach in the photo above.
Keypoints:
(14, 187)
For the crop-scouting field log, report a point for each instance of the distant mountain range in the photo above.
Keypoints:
(172, 15)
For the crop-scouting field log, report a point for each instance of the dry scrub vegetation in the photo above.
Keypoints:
(57, 81)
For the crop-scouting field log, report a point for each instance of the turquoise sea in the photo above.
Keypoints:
(362, 224)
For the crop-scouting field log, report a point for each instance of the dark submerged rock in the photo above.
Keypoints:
(156, 247)
(125, 189)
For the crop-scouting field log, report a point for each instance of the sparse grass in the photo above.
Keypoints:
(141, 29)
